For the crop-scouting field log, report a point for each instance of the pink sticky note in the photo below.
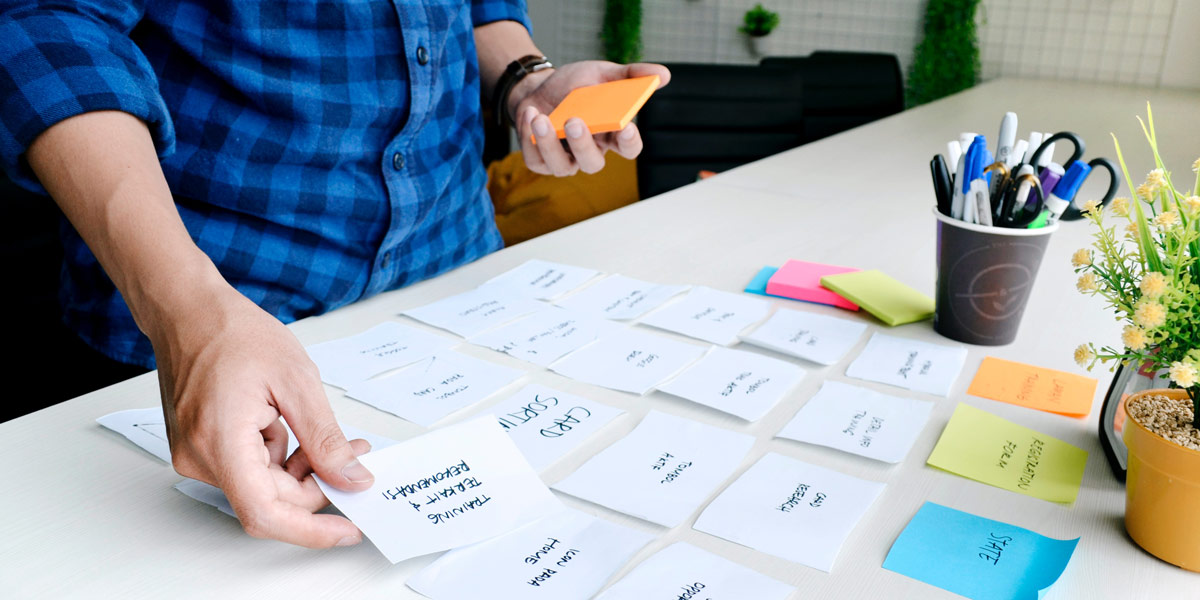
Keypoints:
(802, 281)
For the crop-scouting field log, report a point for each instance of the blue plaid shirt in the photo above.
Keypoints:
(319, 152)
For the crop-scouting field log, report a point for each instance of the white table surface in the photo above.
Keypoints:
(88, 514)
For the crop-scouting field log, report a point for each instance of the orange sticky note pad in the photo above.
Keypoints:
(1034, 387)
(605, 106)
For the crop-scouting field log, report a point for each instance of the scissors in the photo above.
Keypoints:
(1007, 211)
(1072, 212)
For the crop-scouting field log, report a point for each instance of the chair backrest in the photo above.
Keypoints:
(716, 117)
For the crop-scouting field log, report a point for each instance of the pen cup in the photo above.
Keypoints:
(984, 277)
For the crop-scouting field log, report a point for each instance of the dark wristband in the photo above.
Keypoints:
(516, 71)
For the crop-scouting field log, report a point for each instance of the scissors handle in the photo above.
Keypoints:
(1075, 140)
(1114, 183)
(1033, 204)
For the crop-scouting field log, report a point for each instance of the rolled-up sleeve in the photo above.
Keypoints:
(490, 11)
(61, 59)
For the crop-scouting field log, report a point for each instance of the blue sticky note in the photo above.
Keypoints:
(758, 285)
(976, 557)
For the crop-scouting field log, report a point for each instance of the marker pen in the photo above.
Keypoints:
(1048, 156)
(1035, 140)
(1018, 154)
(1006, 138)
(1050, 176)
(953, 152)
(1058, 201)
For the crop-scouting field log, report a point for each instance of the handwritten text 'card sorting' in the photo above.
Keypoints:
(710, 315)
(791, 509)
(823, 340)
(629, 360)
(545, 336)
(859, 421)
(471, 313)
(445, 489)
(426, 392)
(621, 298)
(682, 570)
(386, 346)
(566, 555)
(910, 364)
(662, 470)
(740, 383)
(543, 279)
(546, 424)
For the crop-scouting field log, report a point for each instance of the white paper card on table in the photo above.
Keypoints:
(543, 279)
(544, 336)
(145, 427)
(471, 313)
(546, 424)
(662, 471)
(791, 509)
(426, 392)
(629, 360)
(859, 421)
(818, 338)
(620, 297)
(710, 315)
(741, 383)
(910, 364)
(561, 557)
(446, 489)
(213, 496)
(682, 570)
(386, 346)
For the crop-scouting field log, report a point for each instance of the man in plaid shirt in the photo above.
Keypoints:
(228, 166)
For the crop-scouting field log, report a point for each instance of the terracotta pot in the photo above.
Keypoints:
(1162, 492)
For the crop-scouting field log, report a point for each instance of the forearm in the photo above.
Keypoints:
(498, 44)
(102, 170)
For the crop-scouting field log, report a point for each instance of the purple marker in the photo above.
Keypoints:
(1050, 176)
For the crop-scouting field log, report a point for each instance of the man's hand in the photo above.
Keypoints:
(536, 95)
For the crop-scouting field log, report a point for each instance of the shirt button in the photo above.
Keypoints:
(387, 260)
(422, 55)
(397, 161)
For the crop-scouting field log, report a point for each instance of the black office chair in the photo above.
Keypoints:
(716, 117)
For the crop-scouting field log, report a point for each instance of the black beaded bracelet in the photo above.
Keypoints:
(516, 71)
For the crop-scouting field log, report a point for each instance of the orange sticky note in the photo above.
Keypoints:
(1034, 387)
(605, 106)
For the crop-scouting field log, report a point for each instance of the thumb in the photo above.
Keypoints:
(332, 458)
(647, 69)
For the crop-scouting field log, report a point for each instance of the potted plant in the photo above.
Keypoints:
(1146, 266)
(758, 24)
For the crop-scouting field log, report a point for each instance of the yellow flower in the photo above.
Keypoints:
(1153, 285)
(1155, 179)
(1133, 337)
(1087, 283)
(1120, 207)
(1183, 374)
(1192, 204)
(1081, 258)
(1090, 206)
(1167, 219)
(1149, 314)
(1196, 166)
(1132, 230)
(1145, 192)
(1084, 355)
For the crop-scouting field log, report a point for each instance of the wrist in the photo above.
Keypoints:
(190, 292)
(523, 89)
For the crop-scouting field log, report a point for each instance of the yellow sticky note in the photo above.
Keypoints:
(1034, 387)
(979, 445)
(889, 300)
(606, 106)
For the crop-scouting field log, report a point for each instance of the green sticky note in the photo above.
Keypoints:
(889, 300)
(979, 445)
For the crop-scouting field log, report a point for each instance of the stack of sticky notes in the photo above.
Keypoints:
(801, 280)
(608, 106)
(1034, 387)
(888, 299)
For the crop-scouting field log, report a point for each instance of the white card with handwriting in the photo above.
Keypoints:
(682, 570)
(545, 336)
(445, 489)
(430, 390)
(662, 471)
(471, 313)
(620, 297)
(859, 421)
(629, 360)
(741, 383)
(818, 338)
(564, 556)
(386, 346)
(791, 509)
(543, 279)
(911, 364)
(710, 315)
(547, 424)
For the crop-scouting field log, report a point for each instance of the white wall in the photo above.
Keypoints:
(1145, 42)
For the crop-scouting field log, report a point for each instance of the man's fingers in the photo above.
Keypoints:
(275, 436)
(306, 409)
(293, 524)
(299, 467)
(647, 69)
(587, 154)
(556, 158)
(533, 158)
(628, 141)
